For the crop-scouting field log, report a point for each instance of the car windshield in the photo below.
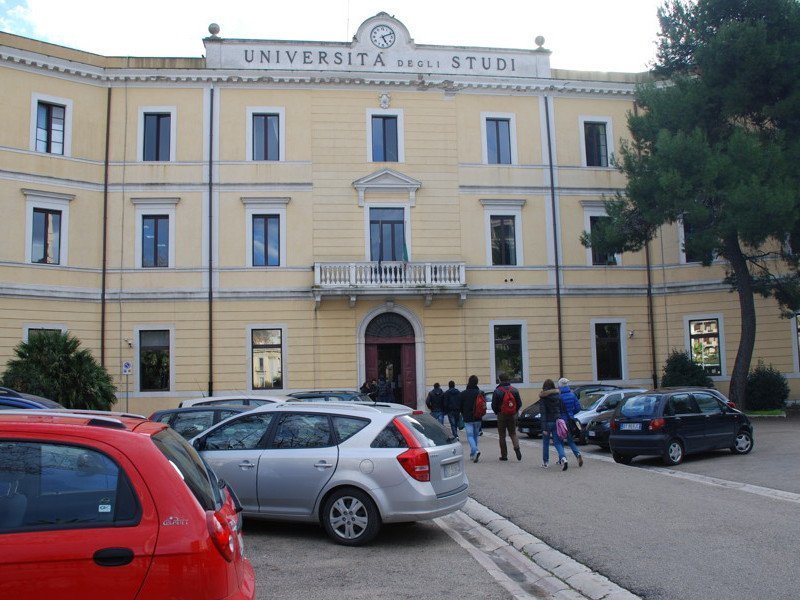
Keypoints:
(590, 401)
(640, 407)
(427, 430)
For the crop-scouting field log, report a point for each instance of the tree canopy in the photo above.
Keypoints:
(51, 364)
(715, 145)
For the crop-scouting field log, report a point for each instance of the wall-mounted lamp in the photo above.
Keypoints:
(130, 343)
(631, 333)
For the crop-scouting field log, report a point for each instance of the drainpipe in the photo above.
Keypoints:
(650, 317)
(105, 234)
(555, 235)
(211, 245)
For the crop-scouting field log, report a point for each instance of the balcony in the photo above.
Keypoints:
(397, 278)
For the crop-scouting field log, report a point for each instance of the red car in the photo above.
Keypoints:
(96, 505)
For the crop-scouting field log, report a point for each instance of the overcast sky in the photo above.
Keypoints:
(606, 35)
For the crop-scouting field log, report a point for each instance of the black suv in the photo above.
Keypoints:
(677, 421)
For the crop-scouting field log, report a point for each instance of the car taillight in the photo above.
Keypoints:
(657, 424)
(614, 425)
(416, 463)
(221, 534)
(731, 403)
(418, 412)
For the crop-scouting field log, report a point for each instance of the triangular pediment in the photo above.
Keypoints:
(387, 180)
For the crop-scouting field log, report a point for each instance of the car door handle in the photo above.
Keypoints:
(246, 465)
(113, 557)
(323, 465)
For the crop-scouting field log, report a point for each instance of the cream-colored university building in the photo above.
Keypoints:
(284, 215)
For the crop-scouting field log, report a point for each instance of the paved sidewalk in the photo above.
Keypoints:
(553, 574)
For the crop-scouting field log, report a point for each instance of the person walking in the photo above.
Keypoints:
(452, 406)
(385, 391)
(435, 402)
(470, 399)
(506, 404)
(572, 405)
(550, 404)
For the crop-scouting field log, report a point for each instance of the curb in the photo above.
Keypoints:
(577, 576)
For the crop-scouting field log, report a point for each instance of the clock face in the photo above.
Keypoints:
(382, 36)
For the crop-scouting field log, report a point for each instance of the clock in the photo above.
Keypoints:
(382, 36)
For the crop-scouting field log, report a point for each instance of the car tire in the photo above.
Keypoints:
(622, 459)
(673, 455)
(531, 435)
(350, 517)
(743, 442)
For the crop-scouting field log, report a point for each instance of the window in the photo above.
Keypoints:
(690, 254)
(596, 144)
(387, 234)
(508, 350)
(46, 239)
(58, 485)
(50, 122)
(245, 433)
(157, 136)
(498, 141)
(266, 137)
(266, 240)
(384, 138)
(389, 437)
(48, 226)
(608, 350)
(302, 431)
(267, 359)
(29, 331)
(347, 427)
(504, 241)
(600, 258)
(155, 241)
(708, 404)
(681, 404)
(154, 361)
(704, 345)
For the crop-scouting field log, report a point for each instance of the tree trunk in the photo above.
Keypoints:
(747, 309)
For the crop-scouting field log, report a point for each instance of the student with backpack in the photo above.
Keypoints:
(435, 402)
(452, 406)
(473, 407)
(506, 404)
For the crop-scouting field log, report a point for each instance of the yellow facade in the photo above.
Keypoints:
(474, 241)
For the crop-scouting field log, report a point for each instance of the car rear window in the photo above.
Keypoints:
(427, 430)
(640, 407)
(389, 437)
(188, 464)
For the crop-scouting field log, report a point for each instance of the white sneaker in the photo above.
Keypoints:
(564, 464)
(545, 466)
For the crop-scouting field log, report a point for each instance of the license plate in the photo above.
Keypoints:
(592, 433)
(524, 429)
(630, 426)
(452, 469)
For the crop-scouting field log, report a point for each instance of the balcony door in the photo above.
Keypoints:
(390, 352)
(387, 234)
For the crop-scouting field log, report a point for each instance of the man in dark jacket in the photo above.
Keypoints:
(452, 406)
(472, 424)
(506, 416)
(435, 402)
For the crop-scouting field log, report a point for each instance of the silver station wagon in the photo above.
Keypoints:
(350, 467)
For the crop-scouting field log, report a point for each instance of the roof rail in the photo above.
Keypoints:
(103, 413)
(95, 420)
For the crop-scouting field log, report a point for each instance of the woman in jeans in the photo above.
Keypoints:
(552, 408)
(471, 425)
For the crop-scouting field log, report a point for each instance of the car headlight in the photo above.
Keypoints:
(537, 416)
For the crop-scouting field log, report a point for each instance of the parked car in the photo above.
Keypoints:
(193, 420)
(14, 400)
(109, 506)
(235, 400)
(529, 421)
(350, 467)
(598, 429)
(599, 402)
(674, 422)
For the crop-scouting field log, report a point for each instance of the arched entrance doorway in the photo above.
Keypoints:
(389, 351)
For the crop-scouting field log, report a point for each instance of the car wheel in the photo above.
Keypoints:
(673, 455)
(622, 459)
(350, 517)
(743, 442)
(531, 435)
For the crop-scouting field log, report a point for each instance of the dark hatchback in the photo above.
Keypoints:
(672, 423)
(193, 420)
(529, 421)
(598, 430)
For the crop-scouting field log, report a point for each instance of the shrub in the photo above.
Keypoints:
(50, 364)
(766, 388)
(679, 370)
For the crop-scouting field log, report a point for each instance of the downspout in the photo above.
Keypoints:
(211, 245)
(555, 235)
(105, 234)
(650, 318)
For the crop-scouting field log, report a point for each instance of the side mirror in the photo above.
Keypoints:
(199, 443)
